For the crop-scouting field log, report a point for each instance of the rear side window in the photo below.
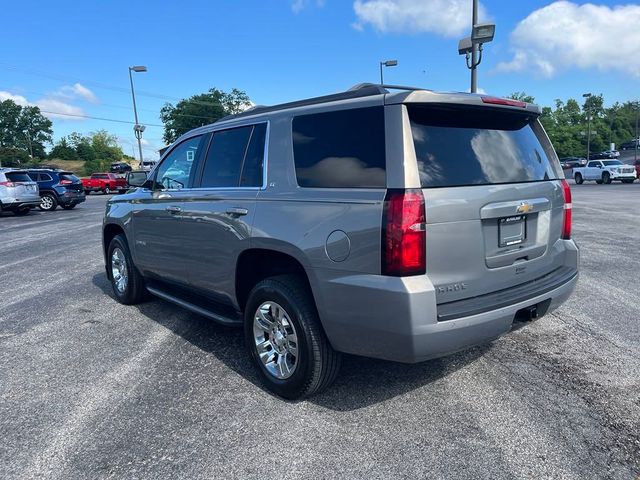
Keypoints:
(69, 176)
(341, 149)
(479, 146)
(18, 177)
(235, 158)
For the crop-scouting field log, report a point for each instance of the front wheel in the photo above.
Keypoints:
(126, 281)
(606, 178)
(578, 178)
(285, 339)
(107, 190)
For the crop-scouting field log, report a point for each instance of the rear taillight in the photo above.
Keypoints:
(65, 182)
(7, 184)
(566, 226)
(504, 101)
(403, 233)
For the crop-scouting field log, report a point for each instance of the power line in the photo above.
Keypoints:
(99, 118)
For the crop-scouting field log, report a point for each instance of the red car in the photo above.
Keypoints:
(105, 182)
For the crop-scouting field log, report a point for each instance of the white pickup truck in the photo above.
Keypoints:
(605, 171)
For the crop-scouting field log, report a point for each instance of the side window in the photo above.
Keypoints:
(236, 158)
(174, 172)
(33, 176)
(253, 166)
(592, 164)
(341, 149)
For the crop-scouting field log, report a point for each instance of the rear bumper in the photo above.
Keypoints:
(398, 318)
(17, 204)
(72, 198)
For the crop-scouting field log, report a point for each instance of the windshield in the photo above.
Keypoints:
(462, 146)
(608, 163)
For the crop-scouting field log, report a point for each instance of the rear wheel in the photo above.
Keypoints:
(107, 190)
(628, 180)
(578, 178)
(48, 202)
(606, 178)
(22, 211)
(285, 339)
(126, 281)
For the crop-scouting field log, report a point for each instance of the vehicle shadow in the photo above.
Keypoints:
(361, 382)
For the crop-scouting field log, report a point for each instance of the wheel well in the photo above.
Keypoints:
(257, 264)
(110, 231)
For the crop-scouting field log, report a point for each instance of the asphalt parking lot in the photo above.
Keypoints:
(90, 388)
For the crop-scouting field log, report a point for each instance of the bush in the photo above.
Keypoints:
(13, 157)
(96, 165)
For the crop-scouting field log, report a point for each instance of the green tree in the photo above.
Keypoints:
(63, 150)
(24, 128)
(523, 97)
(13, 157)
(200, 110)
(105, 146)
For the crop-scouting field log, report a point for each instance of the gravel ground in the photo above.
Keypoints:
(93, 389)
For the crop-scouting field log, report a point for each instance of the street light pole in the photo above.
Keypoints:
(637, 139)
(474, 51)
(137, 128)
(387, 63)
(586, 96)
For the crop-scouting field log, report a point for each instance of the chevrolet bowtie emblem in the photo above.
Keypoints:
(524, 207)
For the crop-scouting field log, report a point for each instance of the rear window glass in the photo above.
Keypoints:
(18, 177)
(224, 159)
(466, 146)
(340, 149)
(100, 175)
(69, 176)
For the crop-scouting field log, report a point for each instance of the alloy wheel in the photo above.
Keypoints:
(276, 340)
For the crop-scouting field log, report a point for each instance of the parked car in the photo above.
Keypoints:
(120, 167)
(147, 165)
(571, 162)
(630, 145)
(611, 154)
(57, 187)
(605, 171)
(380, 224)
(105, 182)
(18, 193)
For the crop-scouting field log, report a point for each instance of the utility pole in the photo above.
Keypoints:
(474, 51)
(137, 128)
(588, 109)
(637, 139)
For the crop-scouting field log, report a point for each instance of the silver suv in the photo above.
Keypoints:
(18, 193)
(402, 226)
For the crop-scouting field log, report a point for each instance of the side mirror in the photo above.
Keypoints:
(136, 179)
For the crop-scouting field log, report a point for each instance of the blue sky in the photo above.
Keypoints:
(74, 56)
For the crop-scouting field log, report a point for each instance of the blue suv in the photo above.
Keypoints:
(57, 187)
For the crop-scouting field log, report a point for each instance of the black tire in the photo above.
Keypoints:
(578, 178)
(135, 291)
(606, 178)
(628, 180)
(107, 190)
(20, 212)
(69, 207)
(48, 202)
(317, 362)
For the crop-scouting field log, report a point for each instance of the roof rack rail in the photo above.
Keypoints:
(357, 91)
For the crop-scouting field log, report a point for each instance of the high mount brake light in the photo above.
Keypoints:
(568, 207)
(404, 233)
(504, 101)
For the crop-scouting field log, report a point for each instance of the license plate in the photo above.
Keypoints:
(512, 230)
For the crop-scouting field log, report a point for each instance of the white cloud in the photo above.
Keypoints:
(565, 35)
(298, 5)
(83, 92)
(19, 99)
(54, 108)
(448, 18)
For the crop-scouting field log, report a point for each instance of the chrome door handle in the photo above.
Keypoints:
(173, 209)
(237, 211)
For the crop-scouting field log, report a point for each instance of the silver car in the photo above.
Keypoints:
(403, 226)
(18, 193)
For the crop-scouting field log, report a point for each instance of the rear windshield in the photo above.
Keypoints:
(100, 175)
(18, 177)
(479, 146)
(609, 163)
(69, 176)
